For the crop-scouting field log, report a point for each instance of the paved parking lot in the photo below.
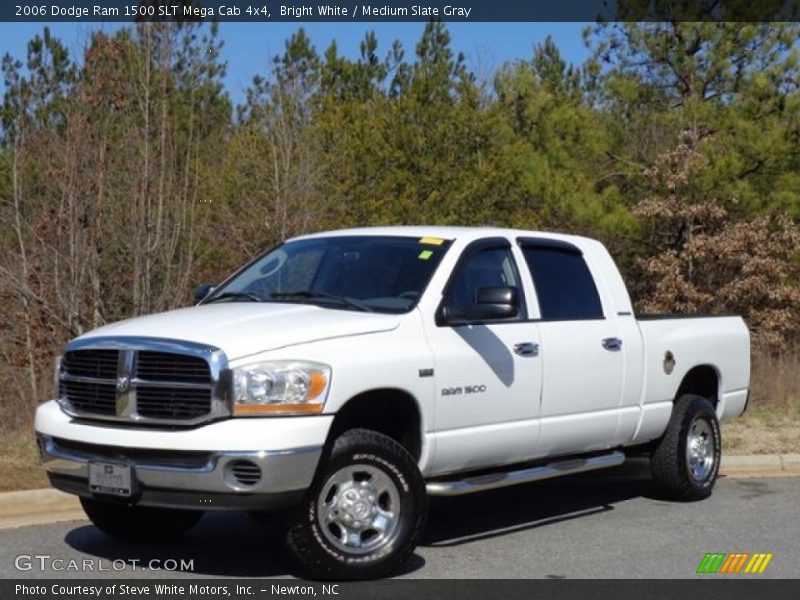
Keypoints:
(601, 525)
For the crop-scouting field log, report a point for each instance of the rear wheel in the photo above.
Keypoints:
(364, 513)
(139, 523)
(685, 462)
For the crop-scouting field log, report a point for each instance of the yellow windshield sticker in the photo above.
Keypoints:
(432, 241)
(425, 254)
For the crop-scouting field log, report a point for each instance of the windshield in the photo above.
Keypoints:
(366, 273)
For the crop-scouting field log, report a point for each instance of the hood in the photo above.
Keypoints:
(244, 328)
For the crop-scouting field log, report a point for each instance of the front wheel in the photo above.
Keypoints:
(364, 513)
(139, 523)
(686, 461)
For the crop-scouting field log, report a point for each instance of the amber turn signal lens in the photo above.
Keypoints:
(277, 409)
(317, 382)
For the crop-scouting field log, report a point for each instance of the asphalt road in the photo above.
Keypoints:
(602, 525)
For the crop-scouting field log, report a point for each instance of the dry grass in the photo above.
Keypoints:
(775, 382)
(19, 461)
(752, 435)
(772, 421)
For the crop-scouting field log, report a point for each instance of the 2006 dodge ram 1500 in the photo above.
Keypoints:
(341, 378)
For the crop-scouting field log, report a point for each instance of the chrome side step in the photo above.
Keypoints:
(490, 481)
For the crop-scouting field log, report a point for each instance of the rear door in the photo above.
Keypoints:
(581, 351)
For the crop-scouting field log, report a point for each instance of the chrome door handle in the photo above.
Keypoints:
(527, 349)
(613, 344)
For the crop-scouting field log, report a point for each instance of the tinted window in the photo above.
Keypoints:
(564, 285)
(485, 268)
(381, 273)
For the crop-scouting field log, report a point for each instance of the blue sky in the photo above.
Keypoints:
(250, 46)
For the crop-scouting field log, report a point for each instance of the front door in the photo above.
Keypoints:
(488, 374)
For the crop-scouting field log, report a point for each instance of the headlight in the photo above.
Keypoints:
(280, 387)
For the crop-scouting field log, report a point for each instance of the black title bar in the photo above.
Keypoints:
(743, 588)
(400, 10)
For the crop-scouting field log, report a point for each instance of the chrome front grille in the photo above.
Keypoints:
(99, 364)
(165, 366)
(166, 403)
(90, 396)
(142, 380)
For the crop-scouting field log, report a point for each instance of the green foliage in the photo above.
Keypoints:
(733, 85)
(127, 177)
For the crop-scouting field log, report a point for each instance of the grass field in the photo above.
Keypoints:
(761, 432)
(772, 421)
(771, 425)
(19, 462)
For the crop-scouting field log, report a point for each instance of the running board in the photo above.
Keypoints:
(490, 481)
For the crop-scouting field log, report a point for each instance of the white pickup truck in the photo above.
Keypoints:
(343, 377)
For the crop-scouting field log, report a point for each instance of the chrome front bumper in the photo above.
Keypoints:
(187, 479)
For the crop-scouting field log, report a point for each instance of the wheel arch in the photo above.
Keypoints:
(701, 380)
(393, 412)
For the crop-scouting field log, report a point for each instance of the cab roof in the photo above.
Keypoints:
(445, 232)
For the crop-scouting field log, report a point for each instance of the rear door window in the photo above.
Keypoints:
(564, 285)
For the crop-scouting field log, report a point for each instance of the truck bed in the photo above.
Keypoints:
(688, 341)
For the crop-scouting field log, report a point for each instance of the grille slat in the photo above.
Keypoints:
(154, 372)
(165, 366)
(163, 402)
(91, 363)
(246, 472)
(97, 398)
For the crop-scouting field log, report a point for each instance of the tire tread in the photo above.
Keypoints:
(304, 549)
(667, 463)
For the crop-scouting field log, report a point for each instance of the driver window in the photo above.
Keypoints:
(484, 268)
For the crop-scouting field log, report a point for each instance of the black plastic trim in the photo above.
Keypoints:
(165, 498)
(551, 244)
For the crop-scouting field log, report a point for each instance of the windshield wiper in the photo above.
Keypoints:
(307, 294)
(242, 295)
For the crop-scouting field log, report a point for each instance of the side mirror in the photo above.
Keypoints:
(491, 304)
(202, 291)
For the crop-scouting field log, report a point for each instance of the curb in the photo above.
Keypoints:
(760, 465)
(37, 507)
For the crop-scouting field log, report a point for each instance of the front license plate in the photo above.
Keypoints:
(110, 478)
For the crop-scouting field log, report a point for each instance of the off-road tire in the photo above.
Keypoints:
(139, 523)
(311, 548)
(669, 464)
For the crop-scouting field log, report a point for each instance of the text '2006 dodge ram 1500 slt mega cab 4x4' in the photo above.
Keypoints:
(342, 377)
